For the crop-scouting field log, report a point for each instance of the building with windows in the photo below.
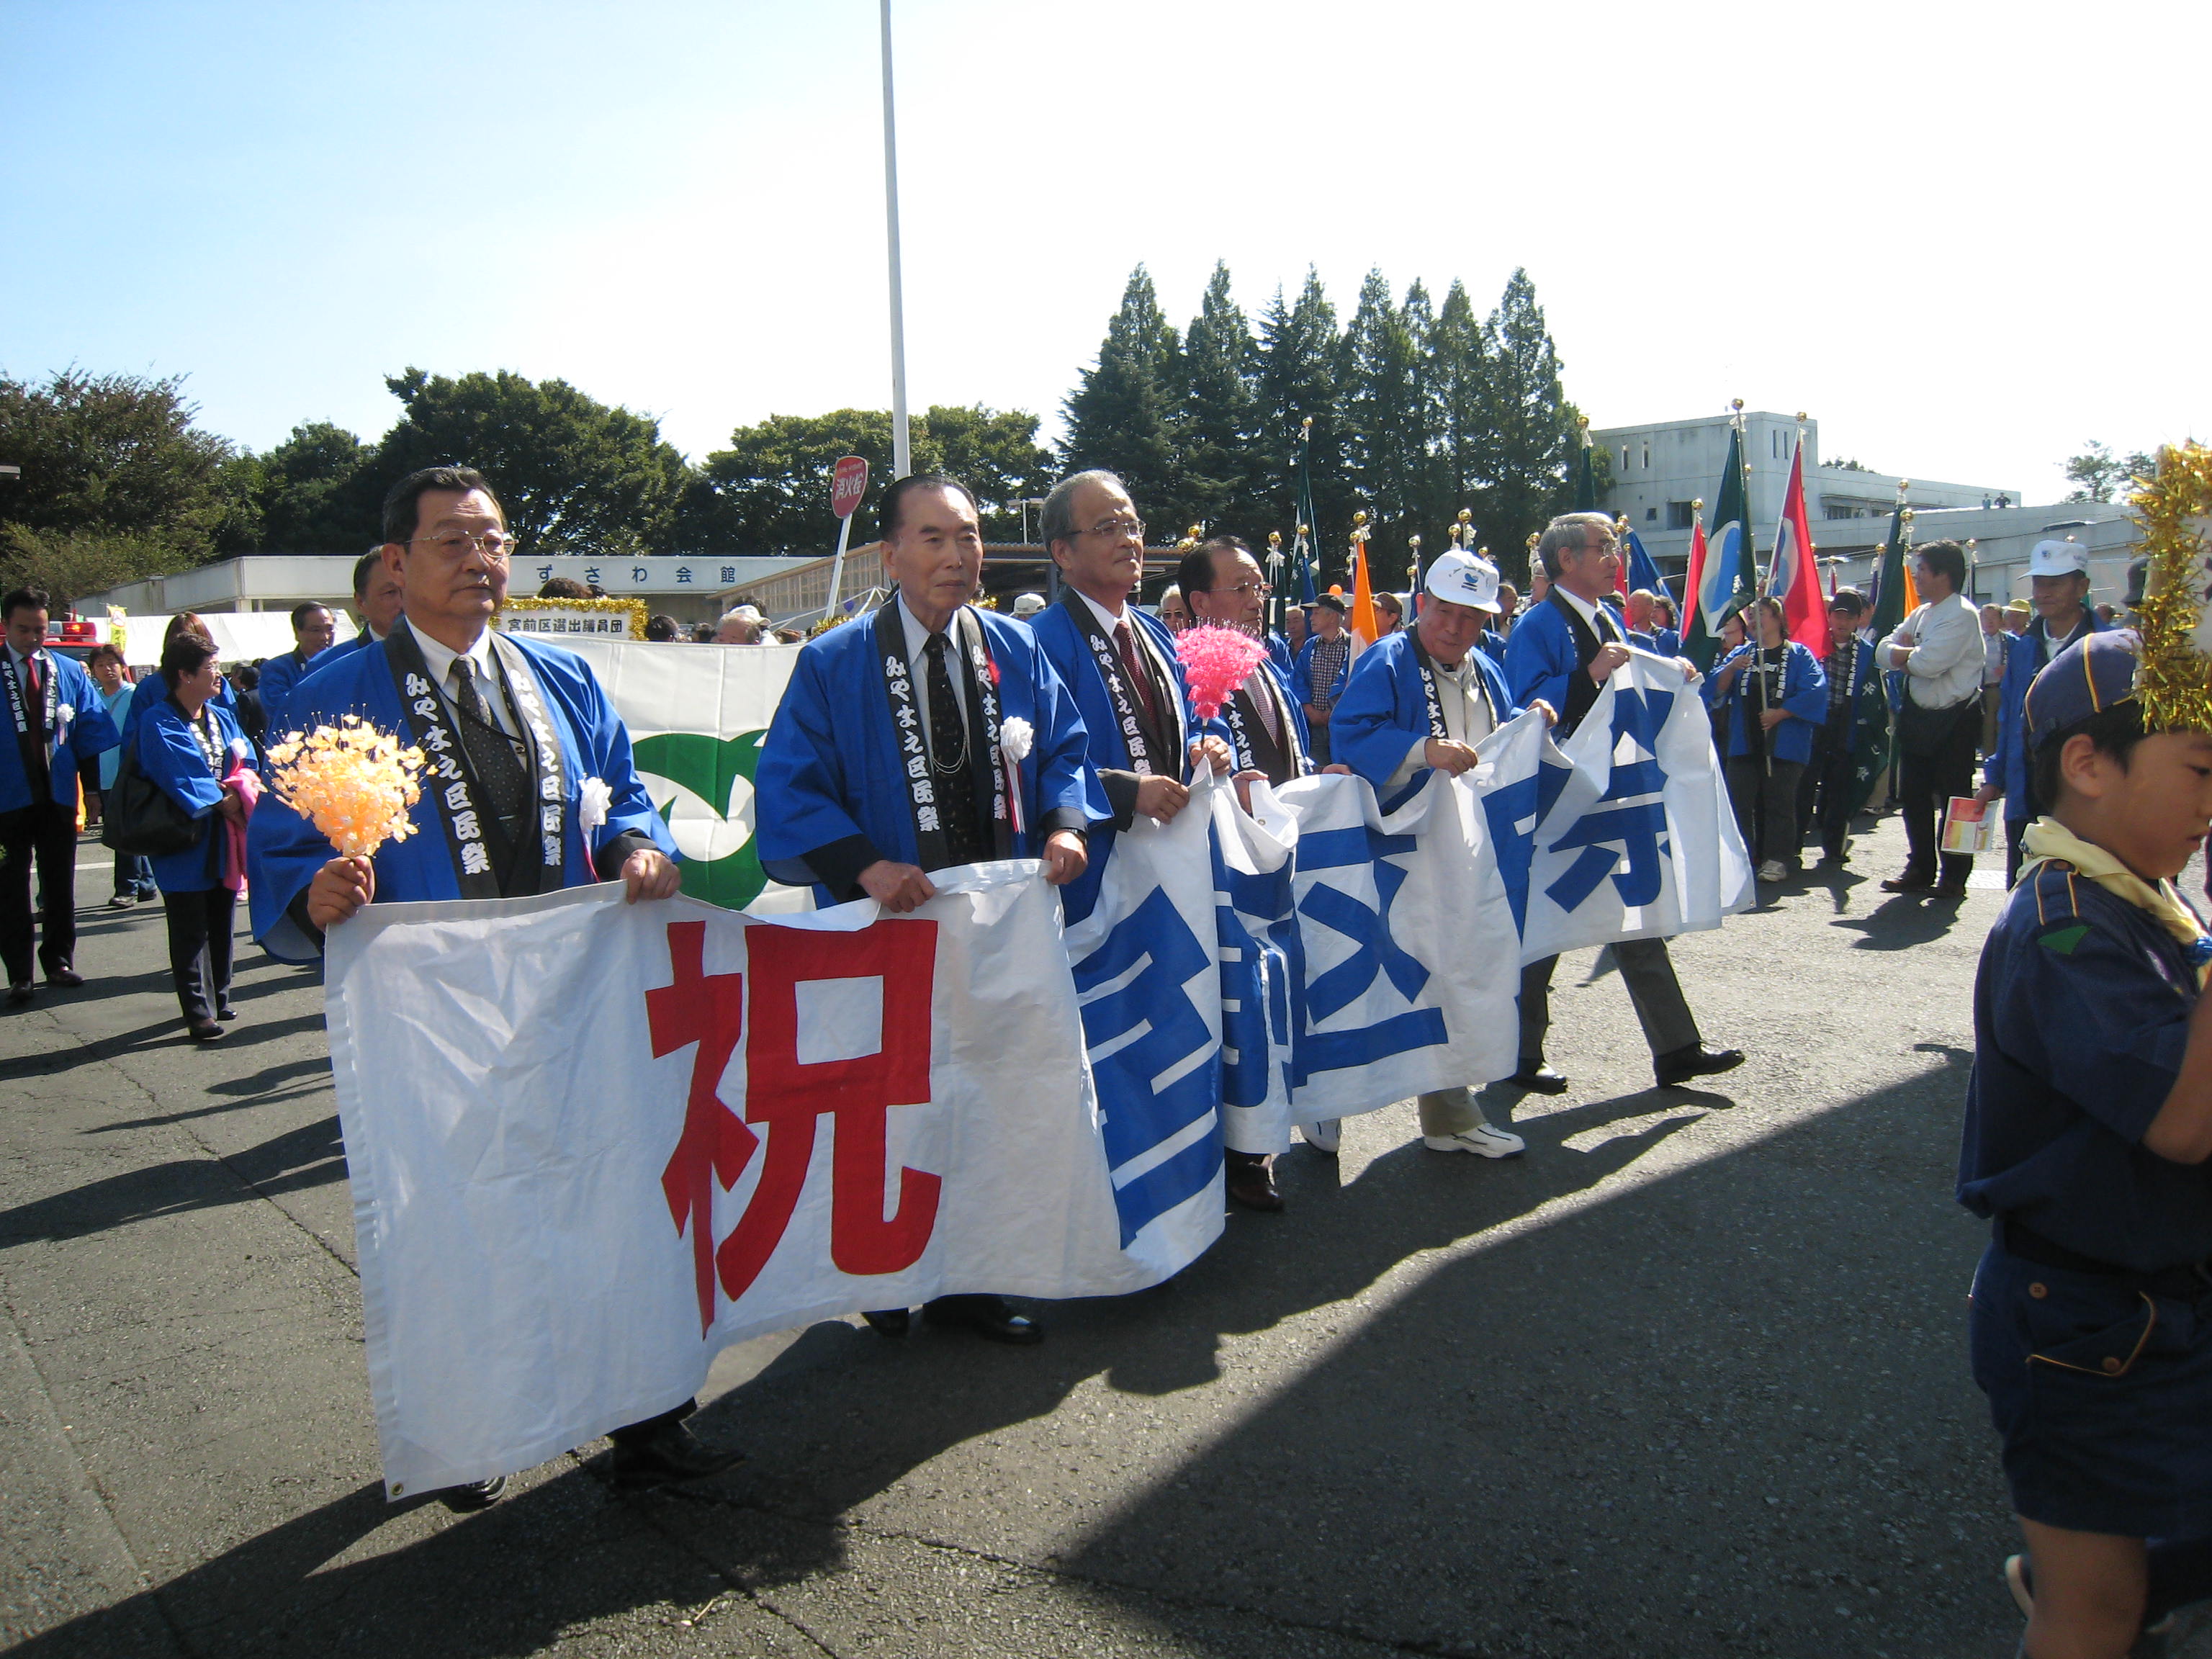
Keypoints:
(1660, 469)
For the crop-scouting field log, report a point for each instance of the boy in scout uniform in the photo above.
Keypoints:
(2088, 1127)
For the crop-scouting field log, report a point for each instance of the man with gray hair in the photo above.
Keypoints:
(1562, 653)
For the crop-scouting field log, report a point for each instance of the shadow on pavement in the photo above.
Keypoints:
(311, 1155)
(1722, 1411)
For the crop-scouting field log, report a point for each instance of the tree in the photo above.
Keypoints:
(575, 475)
(1301, 371)
(768, 492)
(1465, 444)
(2098, 475)
(1538, 432)
(1221, 413)
(1387, 411)
(319, 493)
(1126, 414)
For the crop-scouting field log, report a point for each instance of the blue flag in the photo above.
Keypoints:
(1643, 569)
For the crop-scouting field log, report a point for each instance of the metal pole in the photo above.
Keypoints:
(837, 565)
(902, 449)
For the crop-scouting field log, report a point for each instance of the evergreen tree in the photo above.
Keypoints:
(1300, 372)
(1222, 465)
(1127, 415)
(1465, 447)
(1387, 417)
(1538, 433)
(319, 493)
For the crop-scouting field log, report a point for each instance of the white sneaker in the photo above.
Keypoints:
(1772, 870)
(1484, 1140)
(1324, 1136)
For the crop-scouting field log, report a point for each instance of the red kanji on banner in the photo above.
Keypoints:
(789, 1096)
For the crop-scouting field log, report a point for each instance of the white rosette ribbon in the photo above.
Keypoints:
(1017, 736)
(593, 798)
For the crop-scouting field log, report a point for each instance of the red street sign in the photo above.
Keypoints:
(847, 485)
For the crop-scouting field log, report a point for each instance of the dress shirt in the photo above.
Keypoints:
(439, 659)
(917, 663)
(1608, 631)
(1945, 636)
(1464, 701)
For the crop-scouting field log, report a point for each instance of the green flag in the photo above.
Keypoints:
(1586, 482)
(1870, 712)
(1726, 578)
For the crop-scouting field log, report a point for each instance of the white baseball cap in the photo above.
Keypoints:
(1028, 605)
(1460, 577)
(2057, 558)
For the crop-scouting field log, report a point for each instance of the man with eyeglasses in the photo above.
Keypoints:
(313, 628)
(377, 601)
(1120, 665)
(529, 787)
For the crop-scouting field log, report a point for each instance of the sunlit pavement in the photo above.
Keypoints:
(1688, 1379)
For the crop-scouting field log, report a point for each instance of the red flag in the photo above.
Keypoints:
(1794, 578)
(1690, 588)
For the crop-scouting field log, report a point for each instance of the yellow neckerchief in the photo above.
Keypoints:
(2048, 839)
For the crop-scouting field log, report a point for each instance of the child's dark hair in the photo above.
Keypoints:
(2116, 732)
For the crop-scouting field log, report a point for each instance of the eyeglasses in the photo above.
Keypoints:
(1119, 529)
(1245, 590)
(494, 545)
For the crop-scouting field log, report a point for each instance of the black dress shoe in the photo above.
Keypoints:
(987, 1316)
(204, 1031)
(1251, 1182)
(476, 1495)
(20, 995)
(66, 979)
(1695, 1060)
(889, 1322)
(225, 1015)
(669, 1454)
(1910, 881)
(1950, 890)
(1539, 1078)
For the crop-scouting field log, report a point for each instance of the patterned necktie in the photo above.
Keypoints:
(492, 753)
(949, 770)
(1140, 682)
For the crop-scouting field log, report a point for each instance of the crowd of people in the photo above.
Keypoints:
(2089, 1118)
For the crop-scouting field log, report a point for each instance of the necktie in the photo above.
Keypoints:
(1607, 632)
(492, 753)
(1140, 682)
(948, 762)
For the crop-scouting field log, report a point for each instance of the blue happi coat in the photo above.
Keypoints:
(89, 731)
(2009, 766)
(170, 756)
(280, 677)
(830, 771)
(285, 851)
(1540, 656)
(1804, 697)
(1385, 706)
(1060, 634)
(152, 691)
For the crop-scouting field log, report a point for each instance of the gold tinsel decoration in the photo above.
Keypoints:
(2173, 679)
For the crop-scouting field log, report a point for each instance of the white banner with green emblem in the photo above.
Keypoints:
(698, 715)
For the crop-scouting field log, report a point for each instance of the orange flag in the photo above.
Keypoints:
(1364, 626)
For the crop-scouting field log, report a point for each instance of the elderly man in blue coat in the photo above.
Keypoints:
(1417, 703)
(60, 727)
(529, 788)
(1562, 651)
(313, 629)
(930, 735)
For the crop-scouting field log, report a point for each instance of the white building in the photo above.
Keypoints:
(1660, 469)
(1997, 545)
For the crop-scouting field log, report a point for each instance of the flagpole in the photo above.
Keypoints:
(1273, 614)
(902, 448)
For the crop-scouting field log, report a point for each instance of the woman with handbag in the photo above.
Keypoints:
(190, 747)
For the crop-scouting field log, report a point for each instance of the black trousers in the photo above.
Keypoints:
(1648, 972)
(44, 832)
(1925, 784)
(199, 936)
(1765, 803)
(1824, 794)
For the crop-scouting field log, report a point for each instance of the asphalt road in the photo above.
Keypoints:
(1688, 1379)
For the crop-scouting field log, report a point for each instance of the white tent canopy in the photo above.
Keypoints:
(239, 635)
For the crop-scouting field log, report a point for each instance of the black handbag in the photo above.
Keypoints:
(137, 816)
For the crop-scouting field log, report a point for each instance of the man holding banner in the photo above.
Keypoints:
(1417, 703)
(1119, 667)
(1267, 738)
(1562, 653)
(867, 782)
(529, 789)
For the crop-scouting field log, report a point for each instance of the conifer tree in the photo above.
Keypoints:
(1537, 432)
(1127, 415)
(1223, 467)
(1300, 372)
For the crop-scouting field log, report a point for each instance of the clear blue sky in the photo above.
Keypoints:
(1961, 234)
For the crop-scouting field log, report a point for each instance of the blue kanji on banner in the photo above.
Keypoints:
(1156, 1071)
(1255, 1004)
(1375, 955)
(1513, 811)
(1628, 824)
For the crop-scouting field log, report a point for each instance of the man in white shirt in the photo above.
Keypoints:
(1939, 646)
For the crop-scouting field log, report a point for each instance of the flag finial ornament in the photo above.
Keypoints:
(1274, 540)
(1697, 505)
(2174, 678)
(1737, 403)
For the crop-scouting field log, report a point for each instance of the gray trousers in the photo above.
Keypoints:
(1449, 1112)
(1647, 971)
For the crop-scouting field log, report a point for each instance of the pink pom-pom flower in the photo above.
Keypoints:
(1216, 661)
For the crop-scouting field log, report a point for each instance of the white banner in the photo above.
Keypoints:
(590, 1143)
(1637, 840)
